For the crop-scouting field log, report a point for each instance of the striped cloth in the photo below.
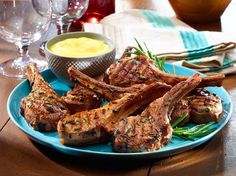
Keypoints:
(170, 38)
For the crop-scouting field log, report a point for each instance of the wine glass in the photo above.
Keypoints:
(22, 23)
(66, 11)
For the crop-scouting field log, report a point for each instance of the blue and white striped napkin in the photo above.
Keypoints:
(170, 38)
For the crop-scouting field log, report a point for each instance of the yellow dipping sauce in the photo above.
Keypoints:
(79, 47)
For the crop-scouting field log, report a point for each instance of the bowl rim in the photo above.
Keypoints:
(104, 38)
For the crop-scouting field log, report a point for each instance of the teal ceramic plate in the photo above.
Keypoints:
(52, 139)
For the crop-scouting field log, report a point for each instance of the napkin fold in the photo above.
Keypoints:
(170, 38)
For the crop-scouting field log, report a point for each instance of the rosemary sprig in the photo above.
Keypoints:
(159, 62)
(177, 122)
(187, 133)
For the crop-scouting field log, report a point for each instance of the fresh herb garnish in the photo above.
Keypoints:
(179, 120)
(159, 62)
(187, 133)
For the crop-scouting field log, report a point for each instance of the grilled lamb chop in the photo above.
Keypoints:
(201, 105)
(97, 125)
(81, 98)
(151, 129)
(109, 92)
(42, 108)
(140, 70)
(205, 106)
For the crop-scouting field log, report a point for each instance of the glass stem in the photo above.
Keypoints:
(62, 27)
(23, 50)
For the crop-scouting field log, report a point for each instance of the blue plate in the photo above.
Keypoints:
(52, 139)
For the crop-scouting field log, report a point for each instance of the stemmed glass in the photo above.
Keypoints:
(22, 22)
(66, 11)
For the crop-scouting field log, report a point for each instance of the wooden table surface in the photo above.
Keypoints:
(21, 156)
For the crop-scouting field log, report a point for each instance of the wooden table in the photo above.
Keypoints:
(21, 156)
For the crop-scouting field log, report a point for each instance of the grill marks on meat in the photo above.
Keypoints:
(138, 69)
(95, 126)
(151, 129)
(205, 106)
(42, 108)
(129, 71)
(81, 98)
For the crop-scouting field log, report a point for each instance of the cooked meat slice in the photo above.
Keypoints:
(94, 126)
(42, 108)
(129, 71)
(151, 130)
(109, 92)
(182, 108)
(81, 98)
(138, 70)
(205, 106)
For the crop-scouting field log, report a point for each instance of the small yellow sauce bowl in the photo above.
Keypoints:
(95, 54)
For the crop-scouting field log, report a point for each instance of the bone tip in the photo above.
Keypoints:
(31, 69)
(32, 66)
(71, 70)
(196, 77)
